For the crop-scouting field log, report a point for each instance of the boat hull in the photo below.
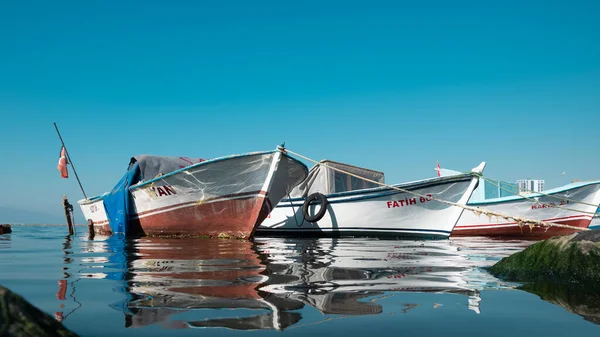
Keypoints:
(227, 197)
(381, 212)
(230, 216)
(94, 210)
(565, 207)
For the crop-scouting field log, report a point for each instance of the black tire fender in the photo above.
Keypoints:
(322, 201)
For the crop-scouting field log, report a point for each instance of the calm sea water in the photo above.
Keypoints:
(361, 287)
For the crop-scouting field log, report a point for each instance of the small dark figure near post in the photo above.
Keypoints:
(68, 210)
(5, 229)
(91, 229)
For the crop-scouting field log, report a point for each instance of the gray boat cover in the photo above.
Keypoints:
(153, 166)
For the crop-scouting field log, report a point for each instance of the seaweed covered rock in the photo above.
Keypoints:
(571, 258)
(19, 318)
(5, 229)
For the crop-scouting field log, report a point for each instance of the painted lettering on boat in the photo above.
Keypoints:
(550, 205)
(163, 190)
(408, 201)
(93, 208)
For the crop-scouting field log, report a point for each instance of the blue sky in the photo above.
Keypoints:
(390, 85)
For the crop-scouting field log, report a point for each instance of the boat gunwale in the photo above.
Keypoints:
(352, 232)
(412, 185)
(206, 162)
(556, 190)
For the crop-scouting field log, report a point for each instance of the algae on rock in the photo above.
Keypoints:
(571, 258)
(19, 318)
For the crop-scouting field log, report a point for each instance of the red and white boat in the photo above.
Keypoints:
(228, 196)
(574, 205)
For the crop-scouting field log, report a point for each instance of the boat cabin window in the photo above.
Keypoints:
(345, 183)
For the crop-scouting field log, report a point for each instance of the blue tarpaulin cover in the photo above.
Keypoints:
(118, 203)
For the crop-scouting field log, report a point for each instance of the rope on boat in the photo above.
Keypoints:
(521, 222)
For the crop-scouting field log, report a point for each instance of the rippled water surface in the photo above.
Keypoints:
(158, 286)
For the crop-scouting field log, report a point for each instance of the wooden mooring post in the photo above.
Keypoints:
(68, 211)
(91, 232)
(5, 229)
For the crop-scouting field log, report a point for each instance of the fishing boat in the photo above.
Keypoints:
(574, 205)
(227, 196)
(338, 199)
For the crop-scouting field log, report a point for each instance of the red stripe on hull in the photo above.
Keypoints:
(245, 194)
(103, 229)
(525, 231)
(233, 218)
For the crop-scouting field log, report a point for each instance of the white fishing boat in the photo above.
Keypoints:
(350, 206)
(227, 196)
(573, 205)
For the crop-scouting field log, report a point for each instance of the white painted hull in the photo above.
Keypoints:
(577, 214)
(378, 211)
(93, 209)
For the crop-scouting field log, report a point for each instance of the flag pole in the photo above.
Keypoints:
(70, 161)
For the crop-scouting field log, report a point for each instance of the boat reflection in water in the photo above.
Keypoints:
(266, 282)
(5, 241)
(168, 276)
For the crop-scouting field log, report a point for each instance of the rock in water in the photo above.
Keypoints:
(571, 258)
(5, 229)
(19, 318)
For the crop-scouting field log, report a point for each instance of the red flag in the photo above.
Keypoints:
(62, 163)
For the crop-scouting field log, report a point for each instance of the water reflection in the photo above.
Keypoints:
(68, 280)
(5, 241)
(171, 276)
(335, 276)
(578, 299)
(180, 283)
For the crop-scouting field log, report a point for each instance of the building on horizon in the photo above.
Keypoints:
(491, 189)
(530, 185)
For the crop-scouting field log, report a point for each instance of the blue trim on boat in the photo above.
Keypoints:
(378, 229)
(92, 199)
(206, 162)
(534, 195)
(387, 190)
(285, 202)
(353, 231)
(248, 154)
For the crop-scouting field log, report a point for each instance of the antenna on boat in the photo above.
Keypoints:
(69, 158)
